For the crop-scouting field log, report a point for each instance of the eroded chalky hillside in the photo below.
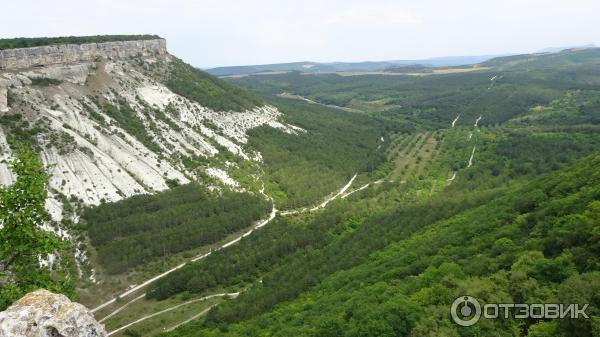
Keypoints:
(116, 119)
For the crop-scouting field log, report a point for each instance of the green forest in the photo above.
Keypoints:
(302, 169)
(520, 225)
(146, 227)
(394, 271)
(501, 90)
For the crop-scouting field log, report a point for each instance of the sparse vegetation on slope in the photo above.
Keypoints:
(127, 119)
(44, 82)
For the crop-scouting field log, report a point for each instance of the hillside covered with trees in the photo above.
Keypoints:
(483, 182)
(139, 229)
(396, 273)
(516, 224)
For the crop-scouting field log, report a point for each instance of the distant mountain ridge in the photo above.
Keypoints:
(324, 67)
(371, 66)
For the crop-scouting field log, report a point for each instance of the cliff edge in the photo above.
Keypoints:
(73, 53)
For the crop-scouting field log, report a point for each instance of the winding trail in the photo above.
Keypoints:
(474, 146)
(121, 308)
(138, 287)
(339, 193)
(455, 120)
(324, 203)
(472, 155)
(356, 190)
(195, 317)
(308, 100)
(257, 226)
(360, 188)
(233, 241)
(197, 258)
(233, 295)
(451, 179)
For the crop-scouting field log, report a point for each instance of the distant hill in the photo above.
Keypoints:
(319, 67)
(566, 57)
(371, 66)
(559, 49)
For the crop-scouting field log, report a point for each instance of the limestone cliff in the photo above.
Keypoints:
(107, 125)
(44, 314)
(73, 53)
(3, 96)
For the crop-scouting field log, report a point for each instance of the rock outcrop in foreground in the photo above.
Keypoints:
(45, 314)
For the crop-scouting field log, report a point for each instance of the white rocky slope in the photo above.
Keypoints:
(92, 157)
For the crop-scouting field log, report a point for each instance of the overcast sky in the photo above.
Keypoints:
(235, 32)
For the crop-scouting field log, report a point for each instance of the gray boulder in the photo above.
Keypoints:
(45, 314)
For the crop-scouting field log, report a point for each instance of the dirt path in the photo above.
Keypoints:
(341, 193)
(202, 313)
(472, 155)
(475, 128)
(197, 258)
(451, 179)
(324, 203)
(121, 308)
(455, 120)
(308, 100)
(233, 295)
(361, 188)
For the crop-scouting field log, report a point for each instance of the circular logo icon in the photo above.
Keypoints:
(465, 311)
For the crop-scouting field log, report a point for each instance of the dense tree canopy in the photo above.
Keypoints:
(145, 227)
(518, 224)
(525, 243)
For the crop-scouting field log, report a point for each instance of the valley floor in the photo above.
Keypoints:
(125, 304)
